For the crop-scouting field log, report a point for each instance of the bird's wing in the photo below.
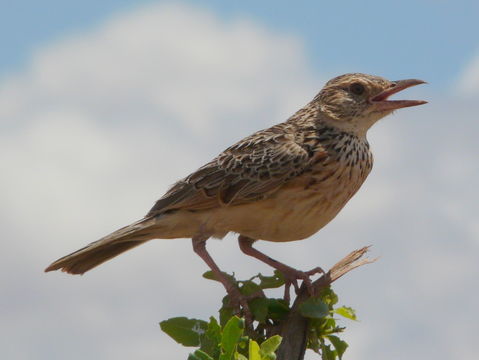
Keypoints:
(247, 171)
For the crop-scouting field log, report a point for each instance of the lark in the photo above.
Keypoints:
(280, 184)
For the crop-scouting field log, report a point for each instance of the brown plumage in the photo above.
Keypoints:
(279, 184)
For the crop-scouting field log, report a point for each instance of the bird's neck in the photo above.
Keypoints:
(354, 127)
(312, 115)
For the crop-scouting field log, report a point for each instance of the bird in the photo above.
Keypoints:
(279, 184)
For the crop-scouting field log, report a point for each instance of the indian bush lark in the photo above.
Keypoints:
(280, 184)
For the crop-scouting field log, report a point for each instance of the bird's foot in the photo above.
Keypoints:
(239, 303)
(292, 276)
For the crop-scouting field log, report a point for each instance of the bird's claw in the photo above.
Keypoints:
(241, 307)
(292, 276)
(239, 303)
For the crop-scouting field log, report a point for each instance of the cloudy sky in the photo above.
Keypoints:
(103, 105)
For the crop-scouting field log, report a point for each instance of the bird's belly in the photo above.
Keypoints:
(287, 217)
(292, 213)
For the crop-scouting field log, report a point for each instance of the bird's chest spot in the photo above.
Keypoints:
(343, 173)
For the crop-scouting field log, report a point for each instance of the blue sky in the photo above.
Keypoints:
(105, 104)
(434, 38)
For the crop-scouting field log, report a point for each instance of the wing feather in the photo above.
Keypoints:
(247, 171)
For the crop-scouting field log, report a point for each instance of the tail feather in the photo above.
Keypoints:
(105, 249)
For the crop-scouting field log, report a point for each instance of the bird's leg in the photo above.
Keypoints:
(236, 298)
(291, 275)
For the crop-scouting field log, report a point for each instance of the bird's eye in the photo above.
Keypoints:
(357, 88)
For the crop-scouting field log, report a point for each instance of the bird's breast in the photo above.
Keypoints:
(301, 207)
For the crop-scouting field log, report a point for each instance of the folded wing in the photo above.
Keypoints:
(247, 171)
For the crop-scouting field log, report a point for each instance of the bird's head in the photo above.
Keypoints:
(354, 102)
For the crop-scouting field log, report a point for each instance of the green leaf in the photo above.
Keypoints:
(254, 351)
(239, 356)
(346, 312)
(314, 308)
(259, 309)
(249, 287)
(338, 344)
(214, 329)
(313, 340)
(269, 357)
(277, 309)
(329, 324)
(184, 331)
(232, 333)
(271, 282)
(226, 311)
(327, 353)
(211, 339)
(199, 355)
(329, 296)
(270, 345)
(210, 275)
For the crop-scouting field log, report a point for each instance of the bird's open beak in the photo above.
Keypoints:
(382, 103)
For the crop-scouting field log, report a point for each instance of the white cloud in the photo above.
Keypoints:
(468, 83)
(100, 123)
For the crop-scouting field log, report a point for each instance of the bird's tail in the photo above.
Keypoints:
(106, 248)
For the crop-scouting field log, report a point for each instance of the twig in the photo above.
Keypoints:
(295, 329)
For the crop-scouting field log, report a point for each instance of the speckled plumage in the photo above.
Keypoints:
(280, 184)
